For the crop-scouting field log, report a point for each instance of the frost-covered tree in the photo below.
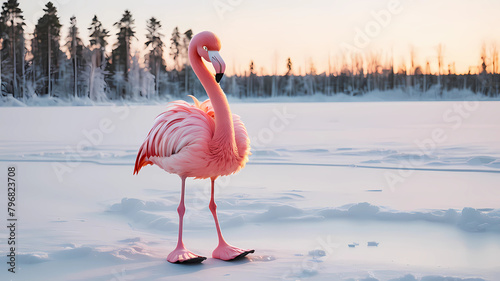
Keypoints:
(93, 77)
(98, 40)
(74, 46)
(121, 53)
(141, 81)
(45, 48)
(186, 39)
(175, 48)
(95, 65)
(186, 68)
(13, 49)
(154, 59)
(134, 78)
(120, 58)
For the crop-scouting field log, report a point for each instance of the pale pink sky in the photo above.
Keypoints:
(270, 31)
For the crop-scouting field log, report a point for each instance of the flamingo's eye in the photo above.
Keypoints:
(205, 48)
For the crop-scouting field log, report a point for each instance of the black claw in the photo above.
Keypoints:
(198, 259)
(244, 254)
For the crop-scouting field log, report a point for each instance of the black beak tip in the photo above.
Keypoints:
(218, 77)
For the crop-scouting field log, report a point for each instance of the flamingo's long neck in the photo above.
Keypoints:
(224, 128)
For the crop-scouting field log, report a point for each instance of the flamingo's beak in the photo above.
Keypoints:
(218, 63)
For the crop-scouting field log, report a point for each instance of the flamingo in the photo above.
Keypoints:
(200, 140)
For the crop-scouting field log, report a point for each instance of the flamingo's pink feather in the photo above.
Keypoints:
(181, 142)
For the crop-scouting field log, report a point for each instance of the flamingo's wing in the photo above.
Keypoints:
(181, 126)
(242, 139)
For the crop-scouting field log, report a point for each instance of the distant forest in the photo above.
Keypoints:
(38, 64)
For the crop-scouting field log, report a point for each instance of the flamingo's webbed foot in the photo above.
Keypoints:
(182, 255)
(227, 252)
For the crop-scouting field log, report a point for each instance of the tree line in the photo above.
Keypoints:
(76, 69)
(355, 73)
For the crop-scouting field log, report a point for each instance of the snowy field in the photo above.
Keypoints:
(421, 179)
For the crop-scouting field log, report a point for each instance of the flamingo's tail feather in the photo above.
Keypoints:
(141, 160)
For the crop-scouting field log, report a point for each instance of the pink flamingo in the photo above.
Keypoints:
(203, 140)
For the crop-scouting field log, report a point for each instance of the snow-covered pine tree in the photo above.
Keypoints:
(154, 59)
(175, 48)
(175, 54)
(121, 53)
(95, 72)
(186, 39)
(46, 51)
(134, 79)
(98, 40)
(75, 47)
(12, 33)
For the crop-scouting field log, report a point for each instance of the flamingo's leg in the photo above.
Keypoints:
(224, 251)
(181, 254)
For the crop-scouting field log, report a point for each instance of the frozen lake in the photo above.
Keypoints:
(419, 178)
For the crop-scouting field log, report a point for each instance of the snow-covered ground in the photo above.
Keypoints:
(408, 94)
(418, 178)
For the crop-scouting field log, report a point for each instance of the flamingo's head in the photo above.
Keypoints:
(208, 47)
